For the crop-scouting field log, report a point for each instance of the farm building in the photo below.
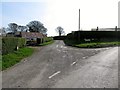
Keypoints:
(31, 37)
(105, 29)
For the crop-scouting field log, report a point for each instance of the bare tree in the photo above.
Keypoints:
(60, 30)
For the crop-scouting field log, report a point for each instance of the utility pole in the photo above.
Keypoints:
(79, 27)
(79, 21)
(115, 28)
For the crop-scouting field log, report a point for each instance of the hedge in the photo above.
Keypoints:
(21, 42)
(59, 37)
(95, 35)
(10, 44)
(47, 39)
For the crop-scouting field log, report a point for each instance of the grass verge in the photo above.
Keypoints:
(15, 57)
(0, 62)
(91, 44)
(46, 43)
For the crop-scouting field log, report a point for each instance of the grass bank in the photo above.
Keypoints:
(91, 44)
(15, 57)
(46, 43)
(0, 62)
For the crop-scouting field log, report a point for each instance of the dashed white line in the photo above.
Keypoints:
(64, 51)
(73, 63)
(56, 45)
(83, 57)
(54, 74)
(64, 56)
(58, 50)
(64, 47)
(61, 46)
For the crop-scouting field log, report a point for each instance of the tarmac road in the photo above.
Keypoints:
(101, 72)
(60, 66)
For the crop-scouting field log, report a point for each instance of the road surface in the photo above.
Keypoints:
(60, 66)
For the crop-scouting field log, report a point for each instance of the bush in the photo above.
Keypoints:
(59, 37)
(21, 42)
(47, 39)
(9, 44)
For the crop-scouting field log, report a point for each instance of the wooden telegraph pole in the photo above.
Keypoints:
(79, 27)
(79, 21)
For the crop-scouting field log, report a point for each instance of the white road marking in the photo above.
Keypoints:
(73, 63)
(64, 56)
(58, 50)
(56, 45)
(54, 74)
(64, 47)
(61, 46)
(64, 51)
(83, 57)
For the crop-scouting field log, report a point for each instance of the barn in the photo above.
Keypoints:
(33, 37)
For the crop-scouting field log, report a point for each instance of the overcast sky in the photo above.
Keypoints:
(64, 13)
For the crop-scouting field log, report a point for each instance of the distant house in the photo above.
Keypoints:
(105, 29)
(31, 37)
(108, 29)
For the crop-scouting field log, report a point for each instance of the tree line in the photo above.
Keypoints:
(33, 26)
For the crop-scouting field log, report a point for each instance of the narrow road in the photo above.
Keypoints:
(59, 66)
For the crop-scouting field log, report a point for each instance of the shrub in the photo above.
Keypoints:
(59, 37)
(9, 44)
(47, 39)
(21, 42)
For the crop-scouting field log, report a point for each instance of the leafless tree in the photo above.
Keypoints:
(60, 30)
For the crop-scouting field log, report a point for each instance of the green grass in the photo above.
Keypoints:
(46, 43)
(15, 57)
(0, 62)
(97, 45)
(92, 44)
